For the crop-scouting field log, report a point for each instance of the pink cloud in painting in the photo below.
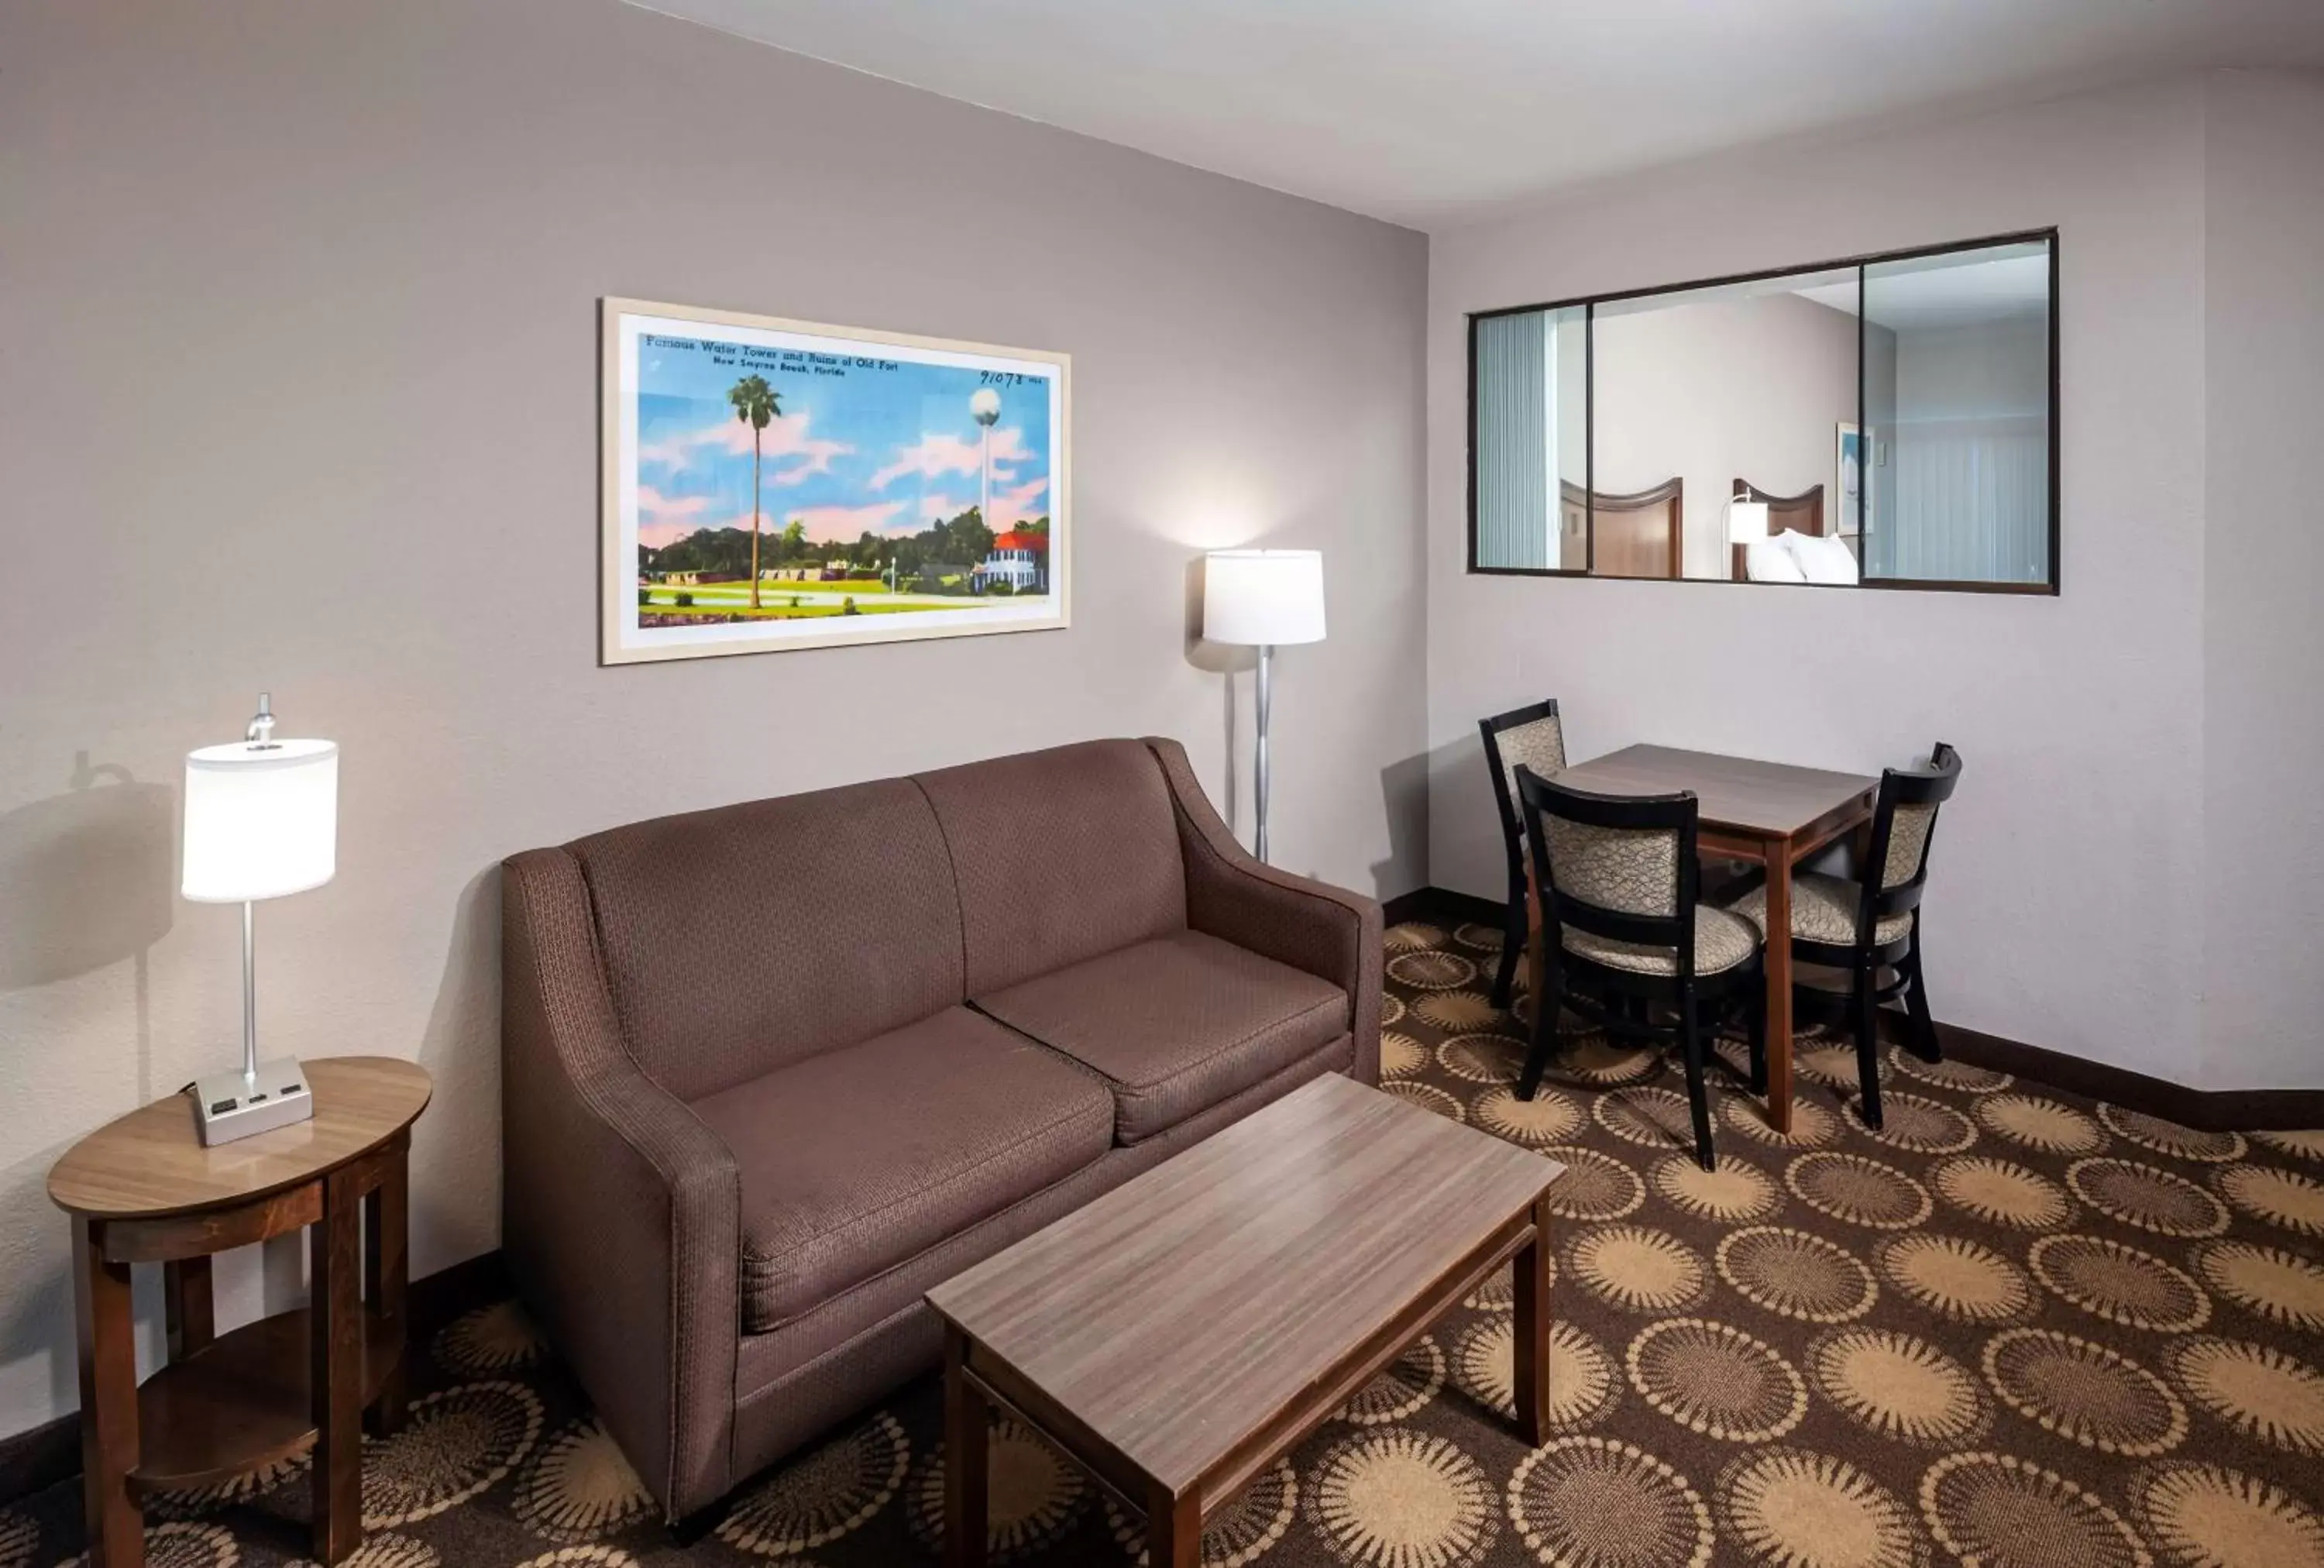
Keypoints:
(788, 452)
(664, 520)
(933, 456)
(935, 508)
(1018, 504)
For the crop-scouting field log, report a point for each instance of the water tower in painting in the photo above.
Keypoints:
(984, 403)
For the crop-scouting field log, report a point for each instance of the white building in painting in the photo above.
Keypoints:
(1017, 559)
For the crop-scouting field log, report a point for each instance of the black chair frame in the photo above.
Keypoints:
(1880, 973)
(1515, 923)
(1620, 1001)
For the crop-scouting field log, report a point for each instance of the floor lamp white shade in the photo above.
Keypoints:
(1266, 597)
(1263, 598)
(262, 822)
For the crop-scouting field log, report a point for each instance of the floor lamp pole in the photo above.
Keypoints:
(1266, 657)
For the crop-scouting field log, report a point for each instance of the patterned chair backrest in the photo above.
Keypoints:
(1617, 866)
(1538, 745)
(1908, 844)
(1909, 798)
(1632, 869)
(1533, 737)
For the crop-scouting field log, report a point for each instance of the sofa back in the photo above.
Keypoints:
(1059, 855)
(742, 938)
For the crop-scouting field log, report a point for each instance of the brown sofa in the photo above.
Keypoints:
(771, 1071)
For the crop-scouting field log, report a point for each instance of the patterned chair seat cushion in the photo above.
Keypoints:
(1721, 941)
(1823, 910)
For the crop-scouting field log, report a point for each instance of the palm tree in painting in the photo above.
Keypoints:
(756, 405)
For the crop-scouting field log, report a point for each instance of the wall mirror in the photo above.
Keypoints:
(1886, 421)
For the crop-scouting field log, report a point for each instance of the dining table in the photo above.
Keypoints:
(1772, 814)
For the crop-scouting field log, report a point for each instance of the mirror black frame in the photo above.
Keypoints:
(1589, 304)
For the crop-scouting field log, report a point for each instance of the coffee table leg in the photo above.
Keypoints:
(1174, 1531)
(965, 1434)
(1532, 1329)
(109, 1401)
(335, 1333)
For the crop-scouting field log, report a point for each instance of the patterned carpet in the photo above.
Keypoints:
(2016, 1328)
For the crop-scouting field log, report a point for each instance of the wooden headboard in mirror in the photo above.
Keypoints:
(1801, 513)
(1638, 535)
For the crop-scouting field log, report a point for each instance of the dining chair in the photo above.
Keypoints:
(1868, 925)
(1624, 929)
(1533, 737)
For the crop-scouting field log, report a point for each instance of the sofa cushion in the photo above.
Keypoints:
(857, 1160)
(1176, 1024)
(738, 939)
(1059, 855)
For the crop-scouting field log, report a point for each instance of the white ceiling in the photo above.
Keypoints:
(1434, 112)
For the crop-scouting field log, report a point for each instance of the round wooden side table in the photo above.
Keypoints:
(143, 1189)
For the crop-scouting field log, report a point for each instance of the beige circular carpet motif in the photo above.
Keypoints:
(2016, 1328)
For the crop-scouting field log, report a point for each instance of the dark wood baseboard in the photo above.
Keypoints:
(2209, 1110)
(1438, 904)
(50, 1453)
(37, 1460)
(443, 1296)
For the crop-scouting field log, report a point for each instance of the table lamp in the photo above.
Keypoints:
(262, 822)
(1263, 597)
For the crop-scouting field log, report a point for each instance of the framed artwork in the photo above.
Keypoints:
(1851, 466)
(772, 484)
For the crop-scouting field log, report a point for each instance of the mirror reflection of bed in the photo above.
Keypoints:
(1641, 534)
(1797, 547)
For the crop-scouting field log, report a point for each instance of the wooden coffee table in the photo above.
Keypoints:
(1181, 1333)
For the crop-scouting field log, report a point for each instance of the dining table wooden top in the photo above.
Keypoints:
(1742, 793)
(1773, 813)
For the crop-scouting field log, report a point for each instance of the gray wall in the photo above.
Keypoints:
(297, 390)
(2064, 866)
(2263, 566)
(2133, 869)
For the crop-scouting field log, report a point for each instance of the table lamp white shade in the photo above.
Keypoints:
(261, 821)
(1268, 597)
(1747, 521)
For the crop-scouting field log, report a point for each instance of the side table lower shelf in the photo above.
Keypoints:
(243, 1401)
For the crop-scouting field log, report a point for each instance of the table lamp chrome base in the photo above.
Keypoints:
(230, 1105)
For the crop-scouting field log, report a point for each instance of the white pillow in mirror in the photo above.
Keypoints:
(1766, 561)
(1821, 560)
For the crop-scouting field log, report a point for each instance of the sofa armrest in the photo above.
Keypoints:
(1327, 931)
(620, 1211)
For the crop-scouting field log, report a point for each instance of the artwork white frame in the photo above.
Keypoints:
(816, 366)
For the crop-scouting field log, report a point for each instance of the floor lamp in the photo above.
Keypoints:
(1263, 598)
